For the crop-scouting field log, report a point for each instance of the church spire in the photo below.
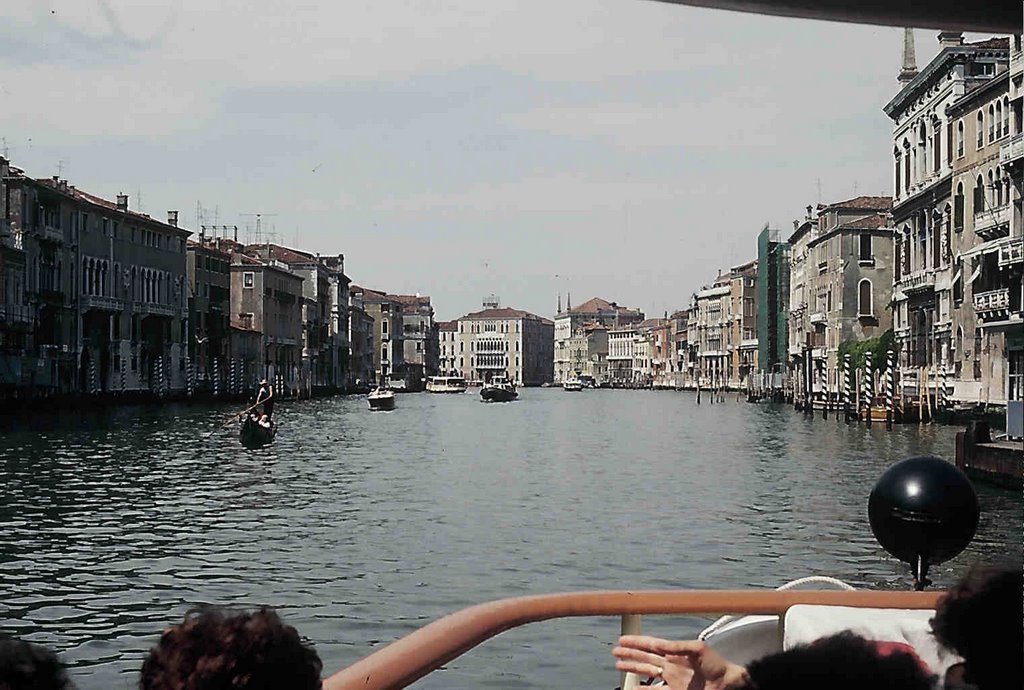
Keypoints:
(559, 303)
(909, 70)
(568, 301)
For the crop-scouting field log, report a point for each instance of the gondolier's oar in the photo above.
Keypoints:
(233, 418)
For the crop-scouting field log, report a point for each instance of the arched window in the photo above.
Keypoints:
(906, 166)
(896, 157)
(958, 344)
(936, 145)
(979, 194)
(981, 130)
(1006, 116)
(990, 196)
(960, 139)
(864, 298)
(103, 279)
(991, 124)
(958, 208)
(999, 119)
(85, 276)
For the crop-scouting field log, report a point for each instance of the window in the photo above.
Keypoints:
(936, 146)
(999, 119)
(865, 247)
(906, 166)
(1006, 116)
(958, 208)
(991, 124)
(949, 142)
(864, 298)
(979, 194)
(384, 352)
(248, 279)
(960, 139)
(981, 130)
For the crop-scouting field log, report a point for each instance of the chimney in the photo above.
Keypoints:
(950, 39)
(122, 203)
(909, 70)
(808, 216)
(172, 218)
(796, 224)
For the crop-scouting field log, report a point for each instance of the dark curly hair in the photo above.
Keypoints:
(213, 650)
(982, 619)
(840, 662)
(26, 666)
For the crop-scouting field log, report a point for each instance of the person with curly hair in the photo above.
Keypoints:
(26, 666)
(215, 650)
(981, 618)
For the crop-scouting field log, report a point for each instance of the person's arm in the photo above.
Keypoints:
(681, 664)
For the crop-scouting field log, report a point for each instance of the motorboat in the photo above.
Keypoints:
(381, 398)
(499, 389)
(254, 433)
(923, 511)
(446, 384)
(573, 385)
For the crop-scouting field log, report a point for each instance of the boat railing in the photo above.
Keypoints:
(408, 659)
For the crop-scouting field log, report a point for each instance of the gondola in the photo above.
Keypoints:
(253, 435)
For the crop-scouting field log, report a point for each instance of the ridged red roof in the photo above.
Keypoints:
(501, 313)
(862, 203)
(867, 223)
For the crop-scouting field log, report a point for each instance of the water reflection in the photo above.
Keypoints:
(362, 527)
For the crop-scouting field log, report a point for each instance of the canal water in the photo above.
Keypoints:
(361, 527)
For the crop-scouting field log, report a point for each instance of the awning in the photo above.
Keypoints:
(983, 248)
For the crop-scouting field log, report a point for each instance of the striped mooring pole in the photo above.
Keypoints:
(124, 377)
(823, 381)
(216, 378)
(890, 377)
(940, 390)
(869, 386)
(92, 376)
(846, 387)
(189, 377)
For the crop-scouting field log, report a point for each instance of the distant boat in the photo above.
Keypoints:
(381, 398)
(499, 389)
(253, 434)
(446, 384)
(572, 385)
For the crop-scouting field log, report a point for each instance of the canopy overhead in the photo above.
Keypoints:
(1000, 18)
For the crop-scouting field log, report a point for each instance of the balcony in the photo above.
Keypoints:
(993, 303)
(101, 303)
(1012, 151)
(1012, 252)
(15, 314)
(147, 308)
(818, 317)
(992, 222)
(12, 240)
(919, 281)
(51, 234)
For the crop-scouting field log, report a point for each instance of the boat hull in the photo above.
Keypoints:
(382, 403)
(498, 395)
(252, 435)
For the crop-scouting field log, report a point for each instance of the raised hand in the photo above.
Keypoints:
(683, 665)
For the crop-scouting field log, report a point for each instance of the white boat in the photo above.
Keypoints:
(919, 506)
(446, 384)
(381, 398)
(572, 385)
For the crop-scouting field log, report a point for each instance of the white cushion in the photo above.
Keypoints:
(805, 623)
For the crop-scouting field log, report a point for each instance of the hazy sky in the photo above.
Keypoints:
(619, 148)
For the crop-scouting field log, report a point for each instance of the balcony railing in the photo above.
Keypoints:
(992, 301)
(1012, 252)
(15, 314)
(1013, 150)
(52, 234)
(818, 317)
(156, 309)
(992, 222)
(12, 240)
(918, 281)
(102, 303)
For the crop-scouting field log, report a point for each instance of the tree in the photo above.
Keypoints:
(878, 348)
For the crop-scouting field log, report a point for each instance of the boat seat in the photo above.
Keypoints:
(805, 623)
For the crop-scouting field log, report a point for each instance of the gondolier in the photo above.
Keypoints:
(265, 396)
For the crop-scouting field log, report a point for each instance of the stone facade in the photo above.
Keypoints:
(499, 341)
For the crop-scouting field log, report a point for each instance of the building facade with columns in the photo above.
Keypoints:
(500, 341)
(943, 152)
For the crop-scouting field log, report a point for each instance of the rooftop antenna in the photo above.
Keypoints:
(819, 190)
(138, 197)
(259, 216)
(60, 168)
